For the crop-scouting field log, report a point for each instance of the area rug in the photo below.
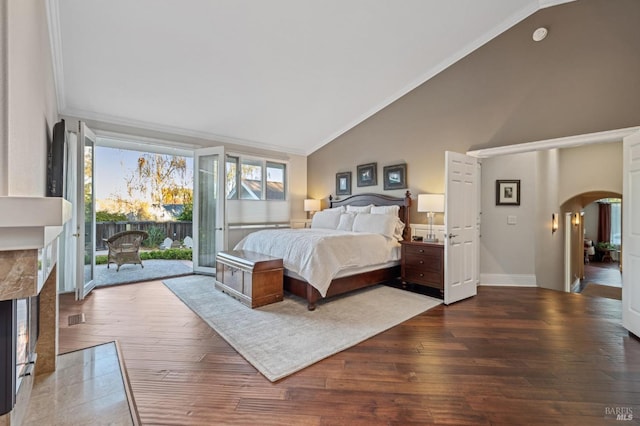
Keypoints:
(599, 290)
(282, 338)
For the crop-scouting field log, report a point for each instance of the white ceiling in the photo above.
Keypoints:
(287, 75)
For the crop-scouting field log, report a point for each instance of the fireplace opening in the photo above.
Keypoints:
(18, 335)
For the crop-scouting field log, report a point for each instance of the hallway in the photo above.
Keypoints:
(603, 273)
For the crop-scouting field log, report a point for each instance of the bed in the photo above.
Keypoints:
(375, 269)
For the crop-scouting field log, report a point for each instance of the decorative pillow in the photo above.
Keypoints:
(325, 219)
(359, 209)
(375, 224)
(398, 230)
(335, 209)
(346, 222)
(391, 210)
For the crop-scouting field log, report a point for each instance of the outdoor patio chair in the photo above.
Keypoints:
(124, 248)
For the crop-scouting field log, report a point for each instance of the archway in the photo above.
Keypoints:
(582, 243)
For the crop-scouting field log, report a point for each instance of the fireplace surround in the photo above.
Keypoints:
(18, 336)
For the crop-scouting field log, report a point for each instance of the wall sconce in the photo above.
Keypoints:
(311, 205)
(431, 203)
(576, 219)
(554, 222)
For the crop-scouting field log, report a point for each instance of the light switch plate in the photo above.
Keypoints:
(512, 220)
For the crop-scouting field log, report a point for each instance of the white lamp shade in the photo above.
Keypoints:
(431, 202)
(311, 205)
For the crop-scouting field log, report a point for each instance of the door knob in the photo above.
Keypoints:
(452, 236)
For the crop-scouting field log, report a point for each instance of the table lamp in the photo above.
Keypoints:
(431, 203)
(311, 205)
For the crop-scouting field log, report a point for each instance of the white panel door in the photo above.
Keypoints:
(85, 212)
(462, 227)
(631, 234)
(209, 218)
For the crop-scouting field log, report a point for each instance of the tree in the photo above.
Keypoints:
(162, 177)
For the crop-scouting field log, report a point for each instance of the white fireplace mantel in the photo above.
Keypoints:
(31, 222)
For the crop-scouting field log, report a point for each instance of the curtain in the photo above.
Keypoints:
(604, 222)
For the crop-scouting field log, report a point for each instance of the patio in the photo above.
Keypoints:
(153, 269)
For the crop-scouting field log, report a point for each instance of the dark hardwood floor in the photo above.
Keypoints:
(507, 356)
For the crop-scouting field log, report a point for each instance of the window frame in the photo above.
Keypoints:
(264, 163)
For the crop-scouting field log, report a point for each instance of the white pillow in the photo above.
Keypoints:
(375, 224)
(398, 230)
(359, 209)
(392, 210)
(325, 219)
(346, 222)
(335, 209)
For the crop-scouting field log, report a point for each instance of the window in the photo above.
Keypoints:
(275, 181)
(231, 171)
(251, 179)
(255, 179)
(615, 223)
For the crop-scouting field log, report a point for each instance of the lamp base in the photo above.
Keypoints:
(430, 238)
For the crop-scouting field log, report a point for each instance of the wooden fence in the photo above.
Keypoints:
(174, 230)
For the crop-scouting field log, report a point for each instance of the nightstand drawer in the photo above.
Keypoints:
(425, 262)
(432, 279)
(421, 249)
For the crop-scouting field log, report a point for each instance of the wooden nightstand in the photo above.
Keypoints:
(423, 264)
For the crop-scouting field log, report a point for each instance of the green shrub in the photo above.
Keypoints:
(169, 254)
(156, 237)
(103, 216)
(187, 213)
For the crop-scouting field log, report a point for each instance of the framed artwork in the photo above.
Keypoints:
(395, 177)
(343, 183)
(367, 175)
(507, 192)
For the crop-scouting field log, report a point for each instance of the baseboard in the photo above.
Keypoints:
(512, 280)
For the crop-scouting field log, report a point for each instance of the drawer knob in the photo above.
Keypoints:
(421, 262)
(421, 250)
(421, 274)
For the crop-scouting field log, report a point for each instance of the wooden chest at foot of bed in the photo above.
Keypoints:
(253, 278)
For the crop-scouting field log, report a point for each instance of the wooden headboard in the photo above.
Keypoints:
(380, 200)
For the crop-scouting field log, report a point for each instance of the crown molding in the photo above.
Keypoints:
(177, 131)
(564, 142)
(543, 4)
(55, 42)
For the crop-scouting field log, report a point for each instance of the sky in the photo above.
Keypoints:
(112, 165)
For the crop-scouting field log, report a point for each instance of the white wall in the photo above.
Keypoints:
(507, 250)
(30, 101)
(4, 170)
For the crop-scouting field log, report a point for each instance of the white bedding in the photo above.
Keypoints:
(317, 255)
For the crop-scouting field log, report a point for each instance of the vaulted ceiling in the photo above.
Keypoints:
(286, 75)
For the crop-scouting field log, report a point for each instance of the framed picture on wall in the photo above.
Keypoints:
(507, 192)
(395, 177)
(343, 183)
(367, 174)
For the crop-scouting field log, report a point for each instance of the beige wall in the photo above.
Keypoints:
(30, 102)
(591, 168)
(507, 251)
(510, 91)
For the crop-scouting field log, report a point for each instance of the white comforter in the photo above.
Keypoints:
(317, 255)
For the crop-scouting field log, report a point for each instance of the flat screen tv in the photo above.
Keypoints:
(55, 161)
